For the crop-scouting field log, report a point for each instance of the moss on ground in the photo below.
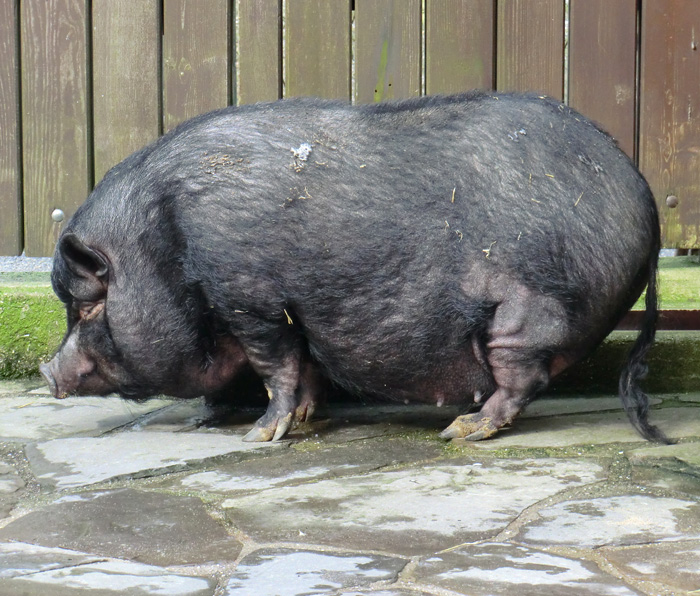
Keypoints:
(32, 323)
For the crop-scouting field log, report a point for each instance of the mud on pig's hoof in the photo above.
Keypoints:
(472, 427)
(272, 429)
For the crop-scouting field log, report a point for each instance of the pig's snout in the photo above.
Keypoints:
(62, 380)
(45, 370)
(72, 372)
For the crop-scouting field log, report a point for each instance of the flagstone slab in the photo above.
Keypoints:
(38, 418)
(494, 569)
(151, 528)
(409, 511)
(10, 480)
(17, 559)
(370, 421)
(180, 415)
(299, 573)
(30, 570)
(294, 467)
(389, 592)
(614, 521)
(74, 462)
(18, 387)
(673, 564)
(11, 485)
(564, 405)
(687, 454)
(591, 429)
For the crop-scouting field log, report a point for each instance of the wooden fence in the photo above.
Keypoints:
(85, 82)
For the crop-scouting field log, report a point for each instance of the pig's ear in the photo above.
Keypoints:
(82, 260)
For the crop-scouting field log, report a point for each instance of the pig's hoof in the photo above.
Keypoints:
(472, 427)
(304, 412)
(269, 431)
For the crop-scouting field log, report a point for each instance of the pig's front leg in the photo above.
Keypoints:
(311, 391)
(274, 350)
(281, 381)
(289, 402)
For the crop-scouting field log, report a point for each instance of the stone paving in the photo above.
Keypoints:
(103, 496)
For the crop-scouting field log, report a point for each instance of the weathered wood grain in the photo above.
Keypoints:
(602, 65)
(54, 116)
(126, 78)
(317, 57)
(259, 48)
(530, 46)
(459, 45)
(196, 70)
(388, 55)
(10, 200)
(669, 143)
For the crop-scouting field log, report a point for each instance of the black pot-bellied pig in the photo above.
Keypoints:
(443, 249)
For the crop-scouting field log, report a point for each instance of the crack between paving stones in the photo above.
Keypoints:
(223, 573)
(380, 584)
(530, 514)
(681, 539)
(410, 587)
(60, 567)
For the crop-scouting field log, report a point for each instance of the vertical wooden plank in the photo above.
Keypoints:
(530, 46)
(459, 50)
(669, 143)
(317, 60)
(195, 58)
(388, 56)
(10, 204)
(126, 47)
(602, 65)
(259, 47)
(54, 116)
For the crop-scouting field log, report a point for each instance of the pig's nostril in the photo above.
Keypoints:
(48, 377)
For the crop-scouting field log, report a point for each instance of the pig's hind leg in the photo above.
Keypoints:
(517, 380)
(526, 332)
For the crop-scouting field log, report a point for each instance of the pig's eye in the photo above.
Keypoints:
(89, 310)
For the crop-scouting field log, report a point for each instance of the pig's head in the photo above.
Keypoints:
(86, 361)
(96, 359)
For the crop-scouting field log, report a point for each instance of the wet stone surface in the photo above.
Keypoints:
(43, 418)
(408, 510)
(74, 462)
(33, 570)
(10, 481)
(673, 564)
(489, 568)
(619, 520)
(684, 456)
(284, 573)
(105, 497)
(295, 467)
(154, 528)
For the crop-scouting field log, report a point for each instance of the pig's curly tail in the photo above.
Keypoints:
(634, 400)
